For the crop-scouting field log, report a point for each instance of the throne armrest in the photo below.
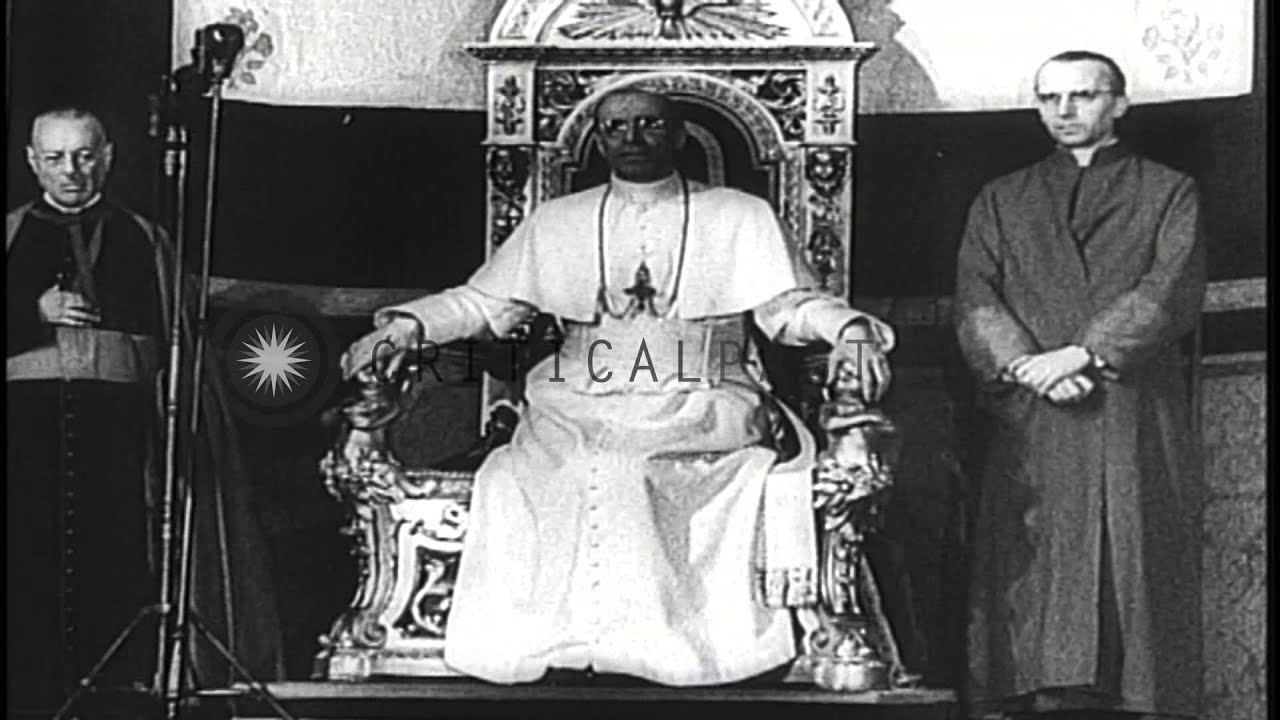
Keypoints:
(851, 647)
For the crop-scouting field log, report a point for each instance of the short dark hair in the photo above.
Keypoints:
(1119, 85)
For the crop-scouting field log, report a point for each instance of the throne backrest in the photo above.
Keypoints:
(768, 86)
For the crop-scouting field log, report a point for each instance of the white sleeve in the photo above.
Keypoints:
(800, 317)
(460, 313)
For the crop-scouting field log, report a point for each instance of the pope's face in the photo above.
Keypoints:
(70, 158)
(1077, 103)
(638, 136)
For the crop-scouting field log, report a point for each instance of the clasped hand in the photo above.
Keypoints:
(865, 361)
(1057, 374)
(383, 351)
(63, 307)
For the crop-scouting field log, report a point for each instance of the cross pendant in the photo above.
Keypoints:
(642, 292)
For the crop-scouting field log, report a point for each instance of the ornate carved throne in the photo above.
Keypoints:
(769, 86)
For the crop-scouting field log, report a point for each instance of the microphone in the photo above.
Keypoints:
(216, 49)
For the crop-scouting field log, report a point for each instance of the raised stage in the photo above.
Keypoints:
(581, 698)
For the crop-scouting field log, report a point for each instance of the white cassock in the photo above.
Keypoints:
(640, 521)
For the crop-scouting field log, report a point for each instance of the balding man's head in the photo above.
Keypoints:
(70, 155)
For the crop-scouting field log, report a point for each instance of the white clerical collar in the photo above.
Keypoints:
(1084, 156)
(70, 210)
(646, 192)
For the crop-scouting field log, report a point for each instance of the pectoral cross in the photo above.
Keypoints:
(642, 292)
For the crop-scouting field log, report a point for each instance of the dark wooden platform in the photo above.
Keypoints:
(466, 698)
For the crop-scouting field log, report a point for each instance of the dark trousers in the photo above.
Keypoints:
(78, 567)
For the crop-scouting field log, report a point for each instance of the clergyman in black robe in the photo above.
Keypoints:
(1077, 277)
(88, 304)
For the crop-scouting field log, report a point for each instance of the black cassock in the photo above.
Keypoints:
(83, 443)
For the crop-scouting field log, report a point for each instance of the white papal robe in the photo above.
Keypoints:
(640, 521)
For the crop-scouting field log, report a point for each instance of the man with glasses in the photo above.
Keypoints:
(1076, 279)
(87, 306)
(643, 520)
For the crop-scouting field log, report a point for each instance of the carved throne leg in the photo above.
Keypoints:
(852, 648)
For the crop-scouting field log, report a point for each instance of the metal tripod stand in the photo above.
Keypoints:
(215, 53)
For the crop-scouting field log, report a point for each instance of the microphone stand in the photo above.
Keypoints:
(175, 613)
(176, 583)
(175, 171)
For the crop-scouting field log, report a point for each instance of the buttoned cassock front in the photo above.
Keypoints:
(640, 521)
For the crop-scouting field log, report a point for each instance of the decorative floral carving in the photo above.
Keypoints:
(438, 547)
(509, 106)
(672, 20)
(257, 50)
(781, 92)
(508, 173)
(559, 93)
(1184, 42)
(398, 615)
(825, 171)
(829, 106)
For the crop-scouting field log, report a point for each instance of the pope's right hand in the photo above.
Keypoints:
(388, 345)
(62, 307)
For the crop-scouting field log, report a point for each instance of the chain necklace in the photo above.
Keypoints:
(642, 292)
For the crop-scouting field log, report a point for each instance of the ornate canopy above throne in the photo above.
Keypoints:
(768, 86)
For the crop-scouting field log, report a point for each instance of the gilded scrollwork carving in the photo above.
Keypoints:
(826, 169)
(508, 174)
(781, 92)
(560, 92)
(397, 618)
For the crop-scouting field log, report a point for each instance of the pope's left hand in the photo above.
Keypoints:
(1041, 372)
(860, 350)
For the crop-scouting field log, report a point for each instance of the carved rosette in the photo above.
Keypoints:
(826, 175)
(508, 172)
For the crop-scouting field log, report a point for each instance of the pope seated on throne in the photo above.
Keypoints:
(647, 517)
